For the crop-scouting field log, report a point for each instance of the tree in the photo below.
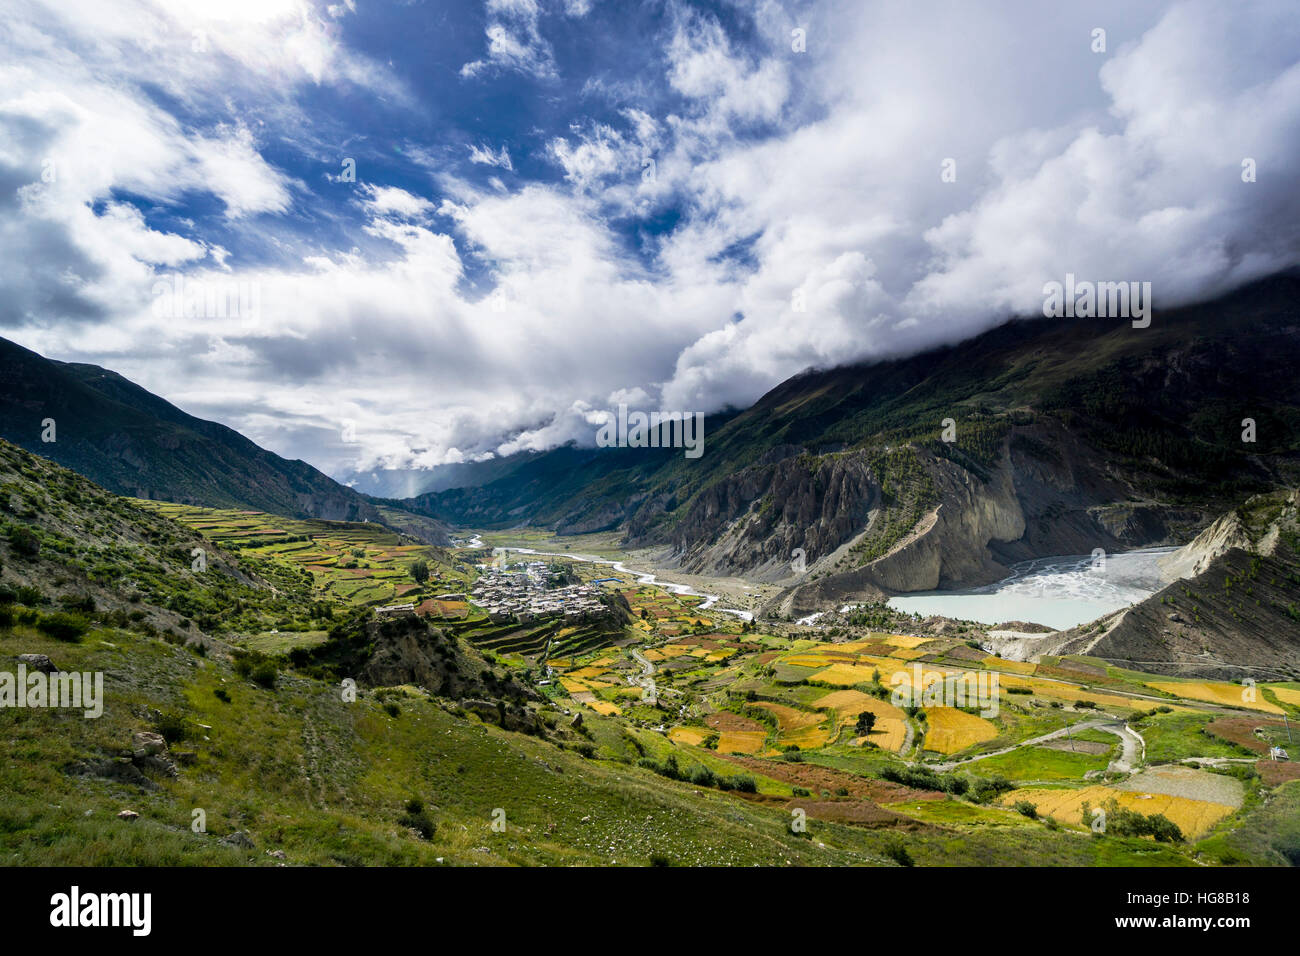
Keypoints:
(420, 571)
(866, 721)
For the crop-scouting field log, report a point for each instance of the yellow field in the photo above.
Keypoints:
(1193, 817)
(1230, 695)
(845, 675)
(789, 718)
(908, 655)
(1287, 695)
(605, 707)
(819, 660)
(1047, 688)
(807, 738)
(952, 730)
(692, 736)
(890, 730)
(741, 741)
(906, 640)
(798, 727)
(1015, 667)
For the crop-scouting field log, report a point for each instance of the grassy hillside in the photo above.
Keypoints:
(449, 734)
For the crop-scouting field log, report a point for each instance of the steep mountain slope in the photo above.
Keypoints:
(1234, 612)
(135, 443)
(1067, 435)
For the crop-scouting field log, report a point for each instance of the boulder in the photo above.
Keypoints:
(146, 743)
(39, 662)
(238, 839)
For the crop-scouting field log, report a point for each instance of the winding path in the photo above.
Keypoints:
(1132, 746)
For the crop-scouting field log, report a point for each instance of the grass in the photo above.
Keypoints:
(1041, 763)
(1173, 737)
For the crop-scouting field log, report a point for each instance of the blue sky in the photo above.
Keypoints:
(562, 205)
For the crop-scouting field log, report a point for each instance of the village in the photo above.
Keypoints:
(526, 592)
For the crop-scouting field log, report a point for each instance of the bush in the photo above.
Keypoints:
(221, 695)
(392, 710)
(702, 776)
(417, 818)
(63, 626)
(1026, 809)
(744, 784)
(30, 596)
(264, 675)
(173, 727)
(24, 541)
(7, 617)
(896, 850)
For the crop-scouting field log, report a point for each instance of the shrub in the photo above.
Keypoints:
(173, 727)
(24, 541)
(221, 695)
(1026, 809)
(264, 675)
(896, 850)
(63, 626)
(417, 818)
(30, 596)
(702, 776)
(7, 617)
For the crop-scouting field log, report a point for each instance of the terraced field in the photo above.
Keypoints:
(350, 562)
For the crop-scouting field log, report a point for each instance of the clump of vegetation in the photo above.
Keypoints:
(417, 818)
(897, 851)
(63, 626)
(1121, 821)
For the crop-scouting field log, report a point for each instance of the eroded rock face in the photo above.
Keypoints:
(752, 521)
(948, 548)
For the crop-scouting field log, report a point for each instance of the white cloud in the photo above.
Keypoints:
(515, 41)
(483, 156)
(812, 227)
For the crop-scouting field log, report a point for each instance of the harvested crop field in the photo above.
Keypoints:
(1215, 692)
(1287, 695)
(952, 730)
(890, 730)
(691, 736)
(726, 720)
(1176, 781)
(1241, 731)
(1276, 772)
(741, 741)
(1193, 817)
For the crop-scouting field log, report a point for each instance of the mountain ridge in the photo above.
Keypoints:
(135, 443)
